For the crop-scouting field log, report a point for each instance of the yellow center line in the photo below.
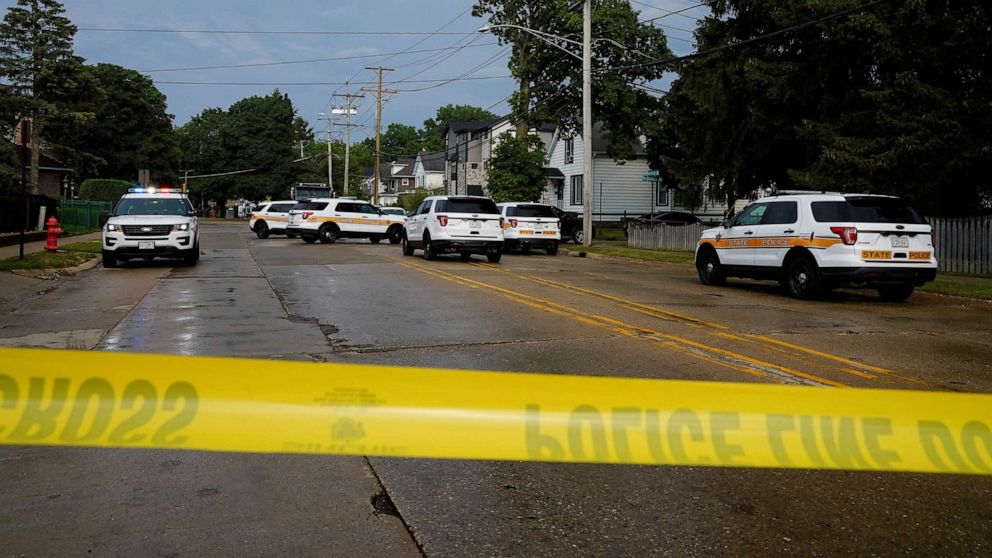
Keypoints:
(685, 345)
(695, 321)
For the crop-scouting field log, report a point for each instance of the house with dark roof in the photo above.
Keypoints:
(469, 145)
(428, 170)
(628, 188)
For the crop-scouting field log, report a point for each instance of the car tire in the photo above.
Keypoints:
(710, 271)
(375, 239)
(190, 258)
(109, 259)
(429, 251)
(290, 235)
(494, 257)
(407, 248)
(802, 278)
(261, 230)
(196, 251)
(395, 234)
(578, 235)
(329, 234)
(465, 256)
(552, 250)
(309, 238)
(896, 293)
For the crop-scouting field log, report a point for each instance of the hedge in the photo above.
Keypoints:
(103, 189)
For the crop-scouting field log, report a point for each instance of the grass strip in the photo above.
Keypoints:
(636, 253)
(87, 246)
(959, 288)
(46, 260)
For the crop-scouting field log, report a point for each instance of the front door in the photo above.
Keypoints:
(736, 245)
(774, 236)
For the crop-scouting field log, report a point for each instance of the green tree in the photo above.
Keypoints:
(516, 169)
(205, 147)
(413, 200)
(261, 137)
(131, 128)
(400, 141)
(432, 136)
(39, 68)
(550, 80)
(893, 99)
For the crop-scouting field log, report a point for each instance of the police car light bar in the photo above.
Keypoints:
(150, 190)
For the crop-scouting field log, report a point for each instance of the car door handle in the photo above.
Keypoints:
(749, 232)
(788, 231)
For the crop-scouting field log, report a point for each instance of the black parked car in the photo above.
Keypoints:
(571, 226)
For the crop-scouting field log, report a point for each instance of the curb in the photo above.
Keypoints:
(55, 273)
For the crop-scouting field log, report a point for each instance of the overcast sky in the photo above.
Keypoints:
(385, 18)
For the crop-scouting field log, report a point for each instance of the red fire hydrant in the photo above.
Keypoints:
(53, 234)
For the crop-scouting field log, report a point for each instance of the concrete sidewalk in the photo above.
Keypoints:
(39, 246)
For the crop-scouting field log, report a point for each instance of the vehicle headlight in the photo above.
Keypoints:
(113, 228)
(181, 227)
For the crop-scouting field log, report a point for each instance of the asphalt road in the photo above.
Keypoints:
(356, 302)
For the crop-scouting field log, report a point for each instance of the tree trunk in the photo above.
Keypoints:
(36, 127)
(523, 120)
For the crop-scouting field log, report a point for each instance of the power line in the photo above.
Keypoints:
(667, 13)
(334, 59)
(773, 34)
(463, 77)
(326, 83)
(680, 12)
(284, 32)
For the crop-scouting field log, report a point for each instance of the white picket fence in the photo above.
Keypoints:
(964, 245)
(665, 237)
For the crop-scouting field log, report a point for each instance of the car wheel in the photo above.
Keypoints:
(309, 238)
(329, 234)
(395, 234)
(407, 248)
(896, 293)
(430, 252)
(465, 256)
(552, 250)
(190, 258)
(290, 235)
(709, 269)
(802, 279)
(578, 235)
(261, 230)
(375, 239)
(494, 257)
(196, 251)
(109, 260)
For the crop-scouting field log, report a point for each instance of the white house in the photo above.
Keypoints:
(628, 188)
(428, 170)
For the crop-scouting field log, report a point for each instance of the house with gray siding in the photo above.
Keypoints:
(625, 188)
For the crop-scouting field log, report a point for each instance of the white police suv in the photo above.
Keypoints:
(530, 225)
(149, 223)
(271, 217)
(328, 219)
(463, 225)
(812, 242)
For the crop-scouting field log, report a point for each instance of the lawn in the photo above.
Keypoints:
(619, 249)
(962, 287)
(46, 260)
(88, 246)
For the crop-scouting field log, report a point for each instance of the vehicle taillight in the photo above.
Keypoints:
(848, 235)
(307, 214)
(502, 223)
(442, 220)
(558, 222)
(933, 239)
(513, 223)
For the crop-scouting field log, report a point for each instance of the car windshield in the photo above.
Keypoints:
(867, 210)
(393, 211)
(467, 205)
(530, 211)
(152, 206)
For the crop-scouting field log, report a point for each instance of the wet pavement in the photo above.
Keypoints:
(355, 302)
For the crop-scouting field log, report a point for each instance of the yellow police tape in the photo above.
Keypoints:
(192, 403)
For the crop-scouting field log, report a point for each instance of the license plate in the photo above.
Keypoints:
(900, 241)
(475, 224)
(876, 255)
(538, 226)
(146, 246)
(918, 256)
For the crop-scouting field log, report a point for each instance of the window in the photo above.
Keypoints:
(866, 210)
(661, 196)
(569, 150)
(475, 190)
(346, 207)
(153, 206)
(474, 165)
(530, 211)
(467, 205)
(366, 208)
(751, 215)
(575, 183)
(405, 182)
(424, 207)
(310, 206)
(781, 213)
(280, 208)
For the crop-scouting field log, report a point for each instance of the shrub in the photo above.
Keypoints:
(103, 189)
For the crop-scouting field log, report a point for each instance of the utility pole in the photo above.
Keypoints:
(330, 153)
(378, 128)
(587, 121)
(348, 110)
